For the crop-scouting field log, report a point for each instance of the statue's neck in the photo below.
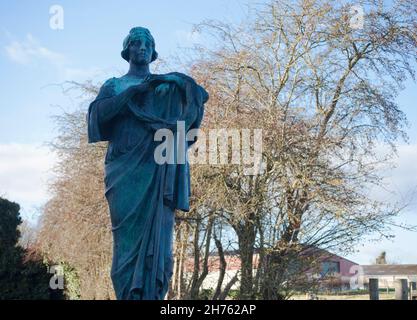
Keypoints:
(138, 70)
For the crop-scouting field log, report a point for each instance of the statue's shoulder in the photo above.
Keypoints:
(108, 85)
(110, 82)
(107, 89)
(116, 85)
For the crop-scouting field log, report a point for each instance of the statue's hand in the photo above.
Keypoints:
(162, 89)
(170, 77)
(138, 89)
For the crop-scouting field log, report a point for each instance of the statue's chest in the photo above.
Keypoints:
(164, 102)
(123, 84)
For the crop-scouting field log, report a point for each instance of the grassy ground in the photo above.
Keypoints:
(382, 296)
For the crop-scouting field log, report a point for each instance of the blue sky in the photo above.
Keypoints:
(35, 60)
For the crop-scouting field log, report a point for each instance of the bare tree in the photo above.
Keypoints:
(324, 94)
(75, 224)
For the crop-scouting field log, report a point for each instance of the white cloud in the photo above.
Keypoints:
(400, 182)
(400, 186)
(24, 173)
(399, 249)
(186, 38)
(30, 51)
(404, 177)
(80, 74)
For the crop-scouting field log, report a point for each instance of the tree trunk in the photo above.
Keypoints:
(246, 238)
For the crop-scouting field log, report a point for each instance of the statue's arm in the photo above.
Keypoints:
(204, 94)
(108, 108)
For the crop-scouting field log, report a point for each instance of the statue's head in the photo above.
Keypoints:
(139, 46)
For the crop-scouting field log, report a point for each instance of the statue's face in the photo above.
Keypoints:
(140, 51)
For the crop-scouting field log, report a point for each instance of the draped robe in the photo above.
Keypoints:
(142, 195)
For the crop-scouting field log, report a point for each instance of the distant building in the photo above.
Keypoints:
(387, 274)
(233, 265)
(334, 272)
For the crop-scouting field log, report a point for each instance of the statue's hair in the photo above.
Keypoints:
(134, 34)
